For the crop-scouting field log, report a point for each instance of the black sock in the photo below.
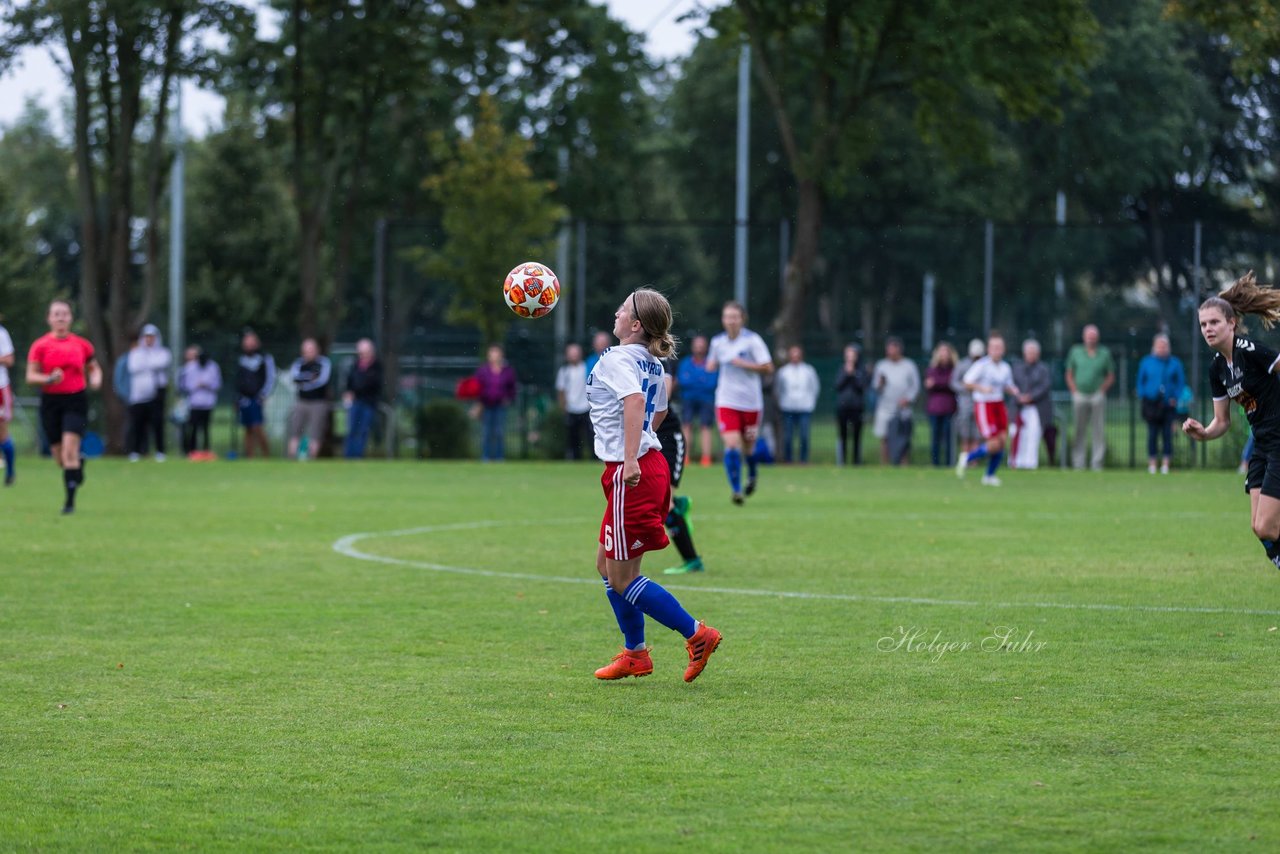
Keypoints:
(70, 480)
(1272, 548)
(80, 472)
(679, 532)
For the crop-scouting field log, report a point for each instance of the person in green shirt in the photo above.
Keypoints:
(1090, 374)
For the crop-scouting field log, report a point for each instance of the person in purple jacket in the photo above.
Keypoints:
(198, 383)
(940, 402)
(497, 392)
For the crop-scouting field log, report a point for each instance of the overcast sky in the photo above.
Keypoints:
(36, 75)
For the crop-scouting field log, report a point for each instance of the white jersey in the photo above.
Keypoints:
(998, 376)
(6, 349)
(621, 372)
(738, 388)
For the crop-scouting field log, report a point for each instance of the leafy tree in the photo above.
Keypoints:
(490, 199)
(1250, 27)
(121, 59)
(822, 65)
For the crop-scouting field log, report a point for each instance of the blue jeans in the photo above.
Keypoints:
(793, 422)
(940, 439)
(493, 424)
(1160, 434)
(359, 422)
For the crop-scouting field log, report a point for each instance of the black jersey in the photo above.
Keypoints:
(1249, 382)
(670, 424)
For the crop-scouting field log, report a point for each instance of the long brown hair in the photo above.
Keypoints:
(654, 313)
(1246, 296)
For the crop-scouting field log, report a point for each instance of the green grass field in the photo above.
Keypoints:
(190, 663)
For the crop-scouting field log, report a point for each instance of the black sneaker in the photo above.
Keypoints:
(68, 509)
(751, 486)
(738, 499)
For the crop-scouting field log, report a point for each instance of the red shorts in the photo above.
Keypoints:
(6, 403)
(992, 418)
(634, 515)
(736, 420)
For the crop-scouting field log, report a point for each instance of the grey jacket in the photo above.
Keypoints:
(1034, 380)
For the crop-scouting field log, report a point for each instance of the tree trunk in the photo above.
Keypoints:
(789, 327)
(310, 229)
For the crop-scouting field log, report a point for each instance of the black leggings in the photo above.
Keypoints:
(850, 420)
(197, 424)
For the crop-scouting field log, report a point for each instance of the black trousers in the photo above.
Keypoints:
(195, 433)
(850, 423)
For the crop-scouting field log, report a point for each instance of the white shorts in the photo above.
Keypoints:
(883, 419)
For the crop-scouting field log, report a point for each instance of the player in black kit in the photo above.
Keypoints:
(1243, 370)
(673, 450)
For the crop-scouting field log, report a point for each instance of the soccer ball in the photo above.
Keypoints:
(531, 289)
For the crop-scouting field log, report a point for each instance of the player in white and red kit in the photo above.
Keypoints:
(628, 399)
(742, 358)
(990, 379)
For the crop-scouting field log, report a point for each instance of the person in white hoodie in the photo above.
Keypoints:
(148, 377)
(797, 387)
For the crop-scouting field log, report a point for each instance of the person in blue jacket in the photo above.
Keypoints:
(1160, 382)
(697, 388)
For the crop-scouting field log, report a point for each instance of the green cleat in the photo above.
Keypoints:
(694, 565)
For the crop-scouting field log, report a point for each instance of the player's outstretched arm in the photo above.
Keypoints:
(1220, 424)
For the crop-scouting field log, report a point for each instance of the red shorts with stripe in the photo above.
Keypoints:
(6, 403)
(736, 420)
(992, 418)
(634, 515)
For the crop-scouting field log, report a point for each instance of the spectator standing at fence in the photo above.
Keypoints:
(940, 402)
(797, 386)
(1090, 374)
(198, 383)
(1160, 382)
(160, 359)
(310, 373)
(362, 396)
(697, 387)
(897, 383)
(148, 367)
(497, 392)
(1035, 409)
(141, 397)
(255, 380)
(571, 393)
(6, 404)
(852, 381)
(63, 365)
(600, 342)
(964, 425)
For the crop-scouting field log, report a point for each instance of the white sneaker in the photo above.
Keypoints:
(1151, 468)
(990, 480)
(1164, 468)
(961, 465)
(133, 458)
(160, 458)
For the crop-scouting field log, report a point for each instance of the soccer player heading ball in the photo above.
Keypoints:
(628, 400)
(1242, 371)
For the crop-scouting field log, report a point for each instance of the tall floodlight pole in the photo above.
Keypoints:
(1059, 283)
(744, 151)
(562, 255)
(177, 208)
(988, 275)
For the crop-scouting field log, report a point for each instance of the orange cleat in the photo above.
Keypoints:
(700, 646)
(629, 662)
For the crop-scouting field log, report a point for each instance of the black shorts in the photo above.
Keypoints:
(63, 413)
(673, 452)
(1264, 473)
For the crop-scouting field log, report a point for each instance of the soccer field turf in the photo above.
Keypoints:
(216, 657)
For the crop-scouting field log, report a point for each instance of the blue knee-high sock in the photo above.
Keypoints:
(630, 618)
(752, 461)
(994, 462)
(976, 454)
(649, 597)
(6, 447)
(733, 468)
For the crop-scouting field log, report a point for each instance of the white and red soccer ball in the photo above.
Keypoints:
(531, 289)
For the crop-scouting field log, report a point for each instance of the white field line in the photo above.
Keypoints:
(347, 546)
